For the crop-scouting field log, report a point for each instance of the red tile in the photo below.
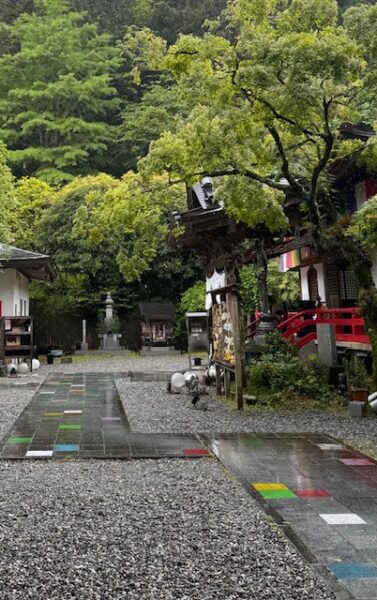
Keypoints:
(195, 452)
(312, 493)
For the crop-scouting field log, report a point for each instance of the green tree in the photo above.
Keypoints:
(7, 200)
(271, 95)
(33, 199)
(131, 215)
(282, 287)
(193, 299)
(56, 94)
(167, 18)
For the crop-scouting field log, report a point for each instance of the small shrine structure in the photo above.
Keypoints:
(157, 326)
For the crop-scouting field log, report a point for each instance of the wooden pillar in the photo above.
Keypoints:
(218, 380)
(234, 310)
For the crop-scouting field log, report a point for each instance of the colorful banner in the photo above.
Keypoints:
(289, 260)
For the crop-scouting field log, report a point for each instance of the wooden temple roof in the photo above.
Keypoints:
(31, 264)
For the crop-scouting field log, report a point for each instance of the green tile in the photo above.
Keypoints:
(70, 426)
(250, 442)
(19, 440)
(276, 494)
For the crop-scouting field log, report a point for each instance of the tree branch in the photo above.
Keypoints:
(294, 184)
(265, 180)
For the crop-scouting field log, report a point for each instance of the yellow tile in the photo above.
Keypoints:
(53, 414)
(262, 487)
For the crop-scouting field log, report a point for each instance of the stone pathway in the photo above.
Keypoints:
(323, 494)
(81, 416)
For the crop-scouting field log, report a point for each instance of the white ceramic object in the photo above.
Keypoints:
(12, 368)
(23, 368)
(177, 380)
(189, 377)
(35, 364)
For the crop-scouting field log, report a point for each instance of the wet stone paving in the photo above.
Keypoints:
(323, 495)
(81, 416)
(320, 492)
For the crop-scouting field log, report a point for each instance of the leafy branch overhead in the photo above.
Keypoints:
(271, 93)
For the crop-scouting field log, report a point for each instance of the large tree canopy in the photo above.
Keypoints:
(269, 102)
(272, 90)
(56, 93)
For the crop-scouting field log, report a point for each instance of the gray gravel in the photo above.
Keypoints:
(151, 409)
(12, 403)
(164, 529)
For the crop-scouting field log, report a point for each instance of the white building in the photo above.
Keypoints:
(17, 268)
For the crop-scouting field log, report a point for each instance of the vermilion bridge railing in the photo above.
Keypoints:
(300, 328)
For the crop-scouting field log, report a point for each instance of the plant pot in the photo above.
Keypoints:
(359, 395)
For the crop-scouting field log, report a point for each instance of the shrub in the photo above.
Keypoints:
(280, 378)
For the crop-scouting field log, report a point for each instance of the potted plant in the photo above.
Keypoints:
(357, 379)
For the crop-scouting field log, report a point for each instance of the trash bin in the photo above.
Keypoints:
(50, 359)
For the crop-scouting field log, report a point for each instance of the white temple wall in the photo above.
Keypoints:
(14, 293)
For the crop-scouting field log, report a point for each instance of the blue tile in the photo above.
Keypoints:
(66, 448)
(353, 570)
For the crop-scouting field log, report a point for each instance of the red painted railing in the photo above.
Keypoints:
(300, 328)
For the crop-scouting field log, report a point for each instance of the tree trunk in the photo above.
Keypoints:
(262, 269)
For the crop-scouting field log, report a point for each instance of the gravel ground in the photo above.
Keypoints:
(151, 409)
(12, 403)
(120, 363)
(140, 530)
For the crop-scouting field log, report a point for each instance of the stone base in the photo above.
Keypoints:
(159, 351)
(357, 409)
(115, 351)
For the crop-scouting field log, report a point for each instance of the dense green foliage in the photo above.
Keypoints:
(87, 86)
(7, 199)
(279, 379)
(56, 93)
(283, 288)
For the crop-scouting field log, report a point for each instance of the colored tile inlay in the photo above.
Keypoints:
(312, 493)
(273, 491)
(73, 412)
(342, 519)
(262, 487)
(277, 494)
(357, 462)
(195, 452)
(70, 426)
(331, 446)
(66, 448)
(39, 454)
(353, 570)
(19, 440)
(53, 414)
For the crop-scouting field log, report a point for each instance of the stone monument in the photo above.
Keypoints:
(110, 338)
(84, 343)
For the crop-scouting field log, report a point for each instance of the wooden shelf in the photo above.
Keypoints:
(23, 349)
(10, 348)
